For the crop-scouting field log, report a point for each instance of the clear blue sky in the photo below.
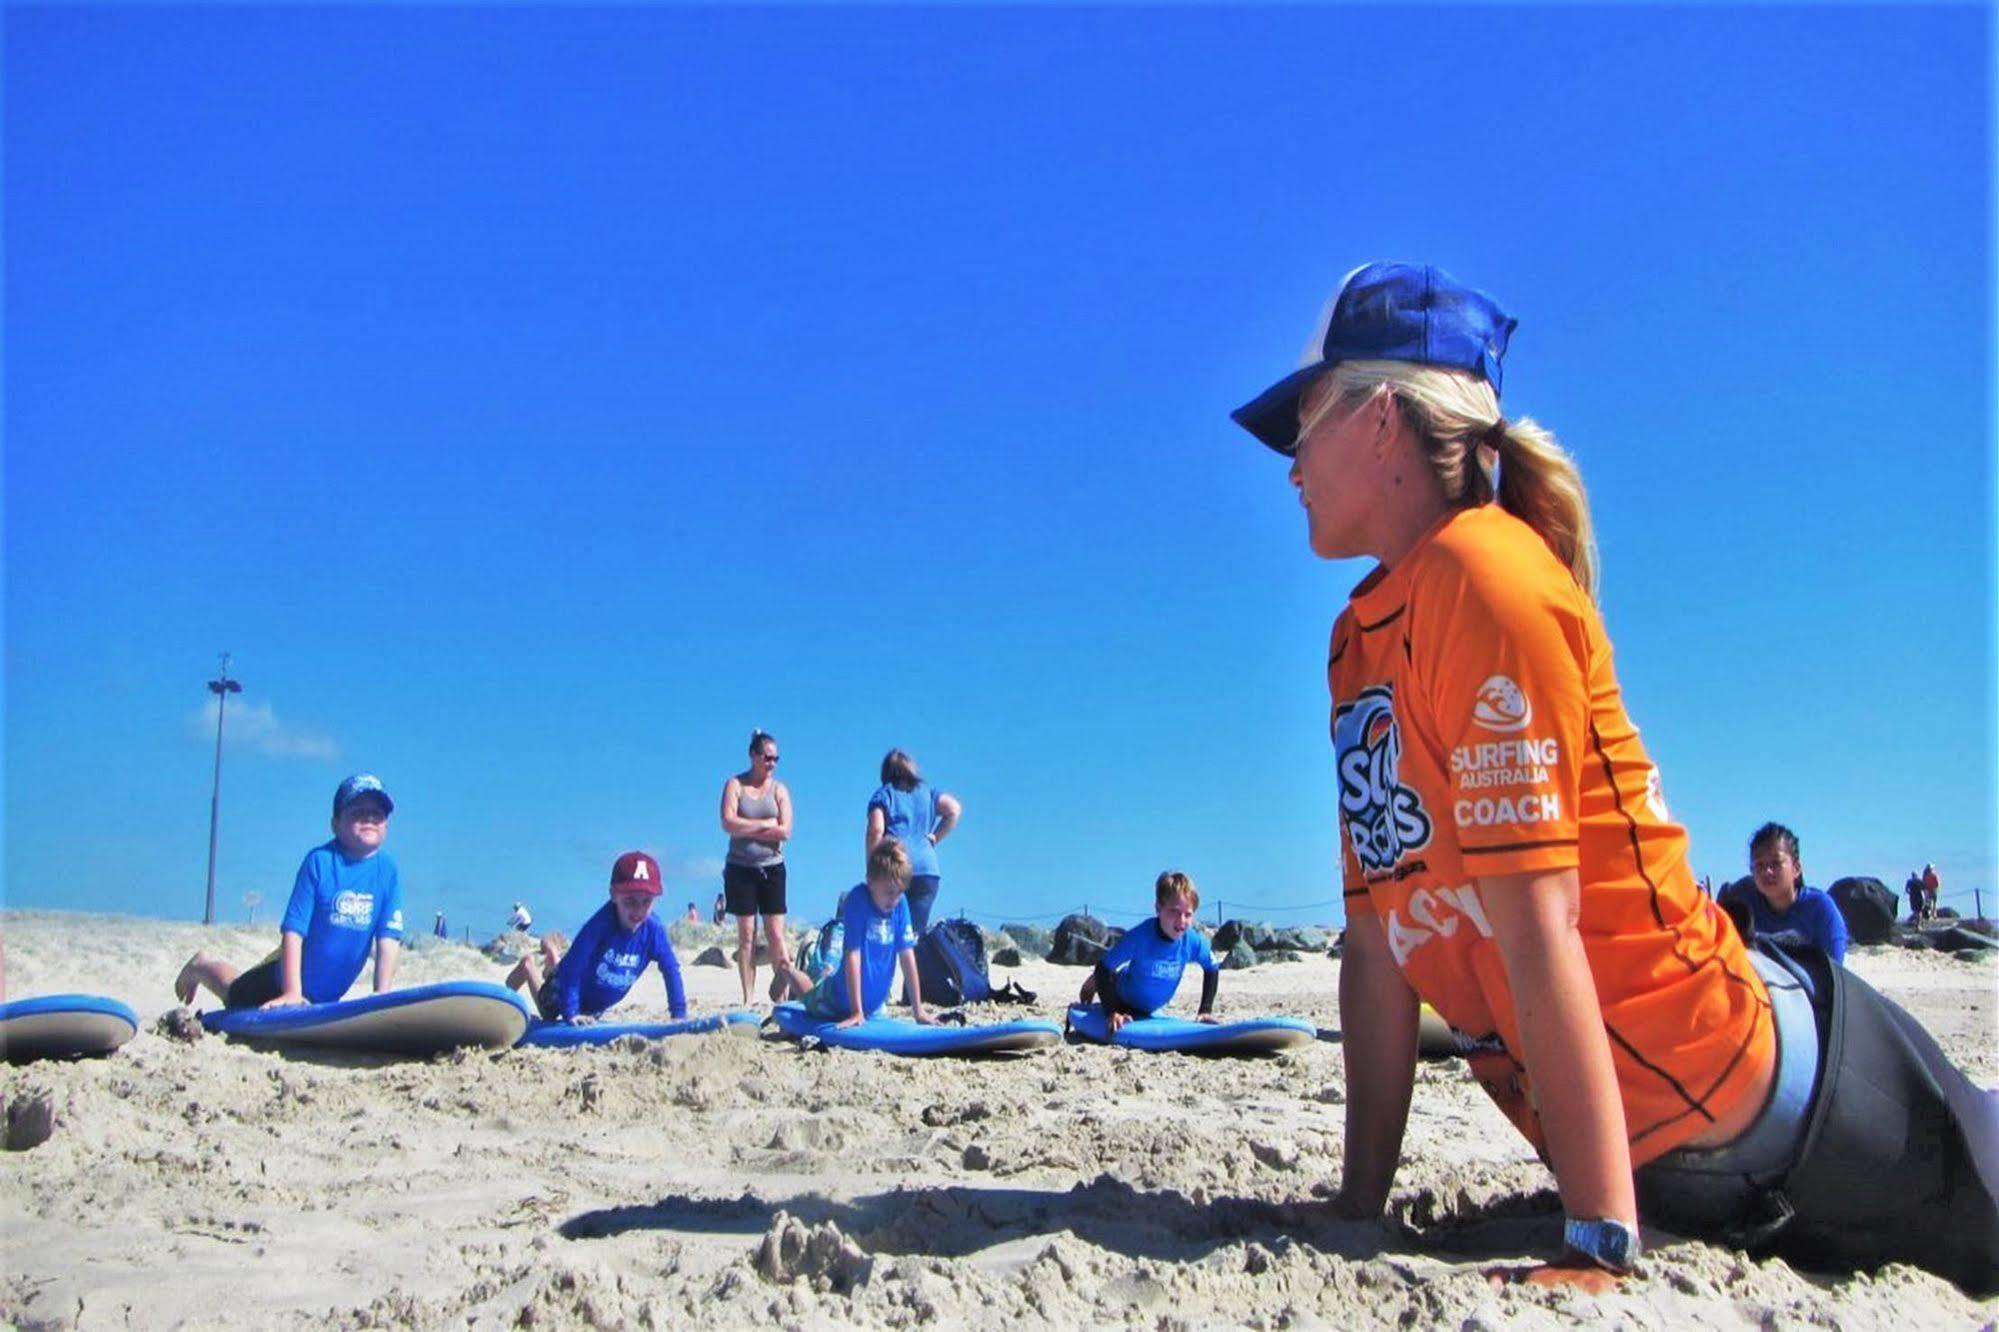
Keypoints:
(534, 400)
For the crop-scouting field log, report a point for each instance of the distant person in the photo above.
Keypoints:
(521, 919)
(346, 899)
(1509, 858)
(438, 928)
(721, 910)
(877, 937)
(1913, 890)
(1139, 974)
(693, 914)
(577, 982)
(756, 813)
(1932, 885)
(906, 808)
(1781, 906)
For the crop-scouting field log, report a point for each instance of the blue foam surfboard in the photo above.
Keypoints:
(422, 1020)
(900, 1036)
(568, 1035)
(1245, 1036)
(64, 1026)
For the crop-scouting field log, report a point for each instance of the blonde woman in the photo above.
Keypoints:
(1509, 857)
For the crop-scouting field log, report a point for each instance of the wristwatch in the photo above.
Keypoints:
(1609, 1244)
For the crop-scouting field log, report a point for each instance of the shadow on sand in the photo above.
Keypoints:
(951, 1221)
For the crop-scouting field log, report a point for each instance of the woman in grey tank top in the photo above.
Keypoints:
(756, 813)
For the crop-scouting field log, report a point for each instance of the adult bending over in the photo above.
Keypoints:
(908, 809)
(1508, 855)
(756, 813)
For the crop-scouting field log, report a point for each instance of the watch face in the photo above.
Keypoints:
(1614, 1243)
(1610, 1243)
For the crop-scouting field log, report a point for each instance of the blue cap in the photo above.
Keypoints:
(359, 785)
(1387, 312)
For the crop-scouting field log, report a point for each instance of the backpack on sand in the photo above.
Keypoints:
(951, 964)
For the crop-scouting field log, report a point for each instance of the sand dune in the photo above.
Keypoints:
(729, 1181)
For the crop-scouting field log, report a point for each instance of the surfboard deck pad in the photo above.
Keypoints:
(569, 1036)
(1242, 1036)
(422, 1020)
(900, 1036)
(64, 1026)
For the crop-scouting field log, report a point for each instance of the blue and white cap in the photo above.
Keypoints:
(359, 785)
(1387, 312)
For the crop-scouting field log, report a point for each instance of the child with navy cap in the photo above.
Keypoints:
(611, 951)
(346, 900)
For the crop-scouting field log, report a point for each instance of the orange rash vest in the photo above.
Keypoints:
(1479, 731)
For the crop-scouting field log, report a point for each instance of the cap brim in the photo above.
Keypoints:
(381, 797)
(646, 886)
(1272, 416)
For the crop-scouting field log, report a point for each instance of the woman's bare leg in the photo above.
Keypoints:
(746, 954)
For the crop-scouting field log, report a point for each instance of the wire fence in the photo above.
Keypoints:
(1220, 909)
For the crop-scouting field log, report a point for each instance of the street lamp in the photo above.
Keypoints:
(222, 687)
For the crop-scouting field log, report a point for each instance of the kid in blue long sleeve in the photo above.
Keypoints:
(610, 952)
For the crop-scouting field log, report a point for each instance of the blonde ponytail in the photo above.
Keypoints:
(1540, 485)
(1455, 416)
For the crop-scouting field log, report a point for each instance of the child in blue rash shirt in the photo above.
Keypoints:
(1138, 976)
(346, 899)
(874, 919)
(1780, 906)
(611, 951)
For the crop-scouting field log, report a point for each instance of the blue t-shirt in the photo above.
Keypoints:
(338, 908)
(910, 817)
(1151, 963)
(606, 960)
(1813, 919)
(879, 937)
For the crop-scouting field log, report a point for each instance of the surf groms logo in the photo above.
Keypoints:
(1384, 818)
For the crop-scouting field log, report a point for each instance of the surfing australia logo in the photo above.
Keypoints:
(1384, 818)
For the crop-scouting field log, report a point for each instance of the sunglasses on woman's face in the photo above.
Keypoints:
(768, 758)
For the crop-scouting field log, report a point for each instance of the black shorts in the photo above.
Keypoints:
(754, 890)
(255, 987)
(547, 1002)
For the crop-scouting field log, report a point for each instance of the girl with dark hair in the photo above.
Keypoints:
(908, 809)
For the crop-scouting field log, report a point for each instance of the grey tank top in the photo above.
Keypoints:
(749, 851)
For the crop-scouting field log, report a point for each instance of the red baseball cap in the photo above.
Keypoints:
(635, 872)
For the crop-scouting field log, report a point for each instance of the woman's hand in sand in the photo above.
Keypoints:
(582, 1020)
(1587, 1277)
(853, 1021)
(289, 999)
(1117, 1021)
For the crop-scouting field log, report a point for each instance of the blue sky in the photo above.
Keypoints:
(534, 400)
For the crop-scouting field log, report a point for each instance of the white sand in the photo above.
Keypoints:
(726, 1181)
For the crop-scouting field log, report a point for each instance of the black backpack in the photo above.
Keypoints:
(951, 964)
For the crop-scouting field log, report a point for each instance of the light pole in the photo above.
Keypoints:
(222, 687)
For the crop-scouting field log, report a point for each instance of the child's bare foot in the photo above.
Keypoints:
(186, 984)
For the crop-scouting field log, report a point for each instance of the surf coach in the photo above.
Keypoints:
(1509, 857)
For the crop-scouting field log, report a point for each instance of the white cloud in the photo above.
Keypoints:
(255, 726)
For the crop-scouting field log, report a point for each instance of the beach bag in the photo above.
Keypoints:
(820, 957)
(951, 964)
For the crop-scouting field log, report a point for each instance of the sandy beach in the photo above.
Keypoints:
(729, 1181)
